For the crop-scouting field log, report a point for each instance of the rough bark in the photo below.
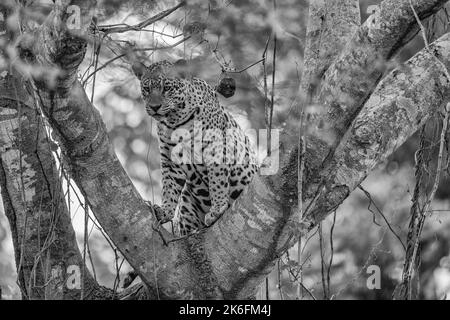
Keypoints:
(353, 76)
(400, 105)
(43, 237)
(345, 87)
(331, 23)
(48, 261)
(44, 240)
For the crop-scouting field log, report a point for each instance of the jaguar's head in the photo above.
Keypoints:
(162, 89)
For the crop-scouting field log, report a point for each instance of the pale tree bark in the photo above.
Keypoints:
(331, 23)
(354, 74)
(48, 260)
(400, 105)
(229, 259)
(46, 249)
(49, 263)
(44, 241)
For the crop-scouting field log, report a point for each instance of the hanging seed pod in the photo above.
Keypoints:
(227, 87)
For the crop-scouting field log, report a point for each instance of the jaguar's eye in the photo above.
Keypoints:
(167, 85)
(144, 90)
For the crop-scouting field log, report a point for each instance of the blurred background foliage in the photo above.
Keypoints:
(235, 35)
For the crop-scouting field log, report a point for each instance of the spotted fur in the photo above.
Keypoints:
(199, 187)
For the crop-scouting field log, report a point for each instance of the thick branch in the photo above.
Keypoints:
(353, 76)
(331, 24)
(49, 262)
(47, 257)
(346, 84)
(266, 214)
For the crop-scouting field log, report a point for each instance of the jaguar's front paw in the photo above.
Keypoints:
(210, 218)
(160, 214)
(213, 215)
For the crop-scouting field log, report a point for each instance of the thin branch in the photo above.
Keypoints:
(427, 205)
(322, 263)
(425, 40)
(417, 221)
(366, 264)
(246, 68)
(308, 291)
(103, 66)
(331, 253)
(381, 214)
(272, 95)
(108, 29)
(279, 275)
(86, 239)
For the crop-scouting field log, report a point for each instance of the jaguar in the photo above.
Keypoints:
(206, 158)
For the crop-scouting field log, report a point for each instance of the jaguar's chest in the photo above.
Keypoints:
(194, 131)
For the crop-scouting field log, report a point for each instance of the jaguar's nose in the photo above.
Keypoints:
(155, 108)
(152, 109)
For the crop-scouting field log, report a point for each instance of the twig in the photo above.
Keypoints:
(246, 68)
(295, 277)
(427, 204)
(279, 274)
(225, 65)
(272, 97)
(425, 40)
(96, 58)
(308, 291)
(86, 239)
(322, 263)
(403, 290)
(356, 277)
(266, 96)
(120, 28)
(381, 214)
(133, 50)
(301, 168)
(309, 238)
(331, 254)
(265, 110)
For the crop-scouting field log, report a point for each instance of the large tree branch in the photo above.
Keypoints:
(400, 105)
(354, 74)
(49, 262)
(265, 219)
(95, 168)
(44, 240)
(394, 112)
(259, 221)
(345, 86)
(331, 23)
(43, 237)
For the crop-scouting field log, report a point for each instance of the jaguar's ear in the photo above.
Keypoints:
(181, 68)
(138, 69)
